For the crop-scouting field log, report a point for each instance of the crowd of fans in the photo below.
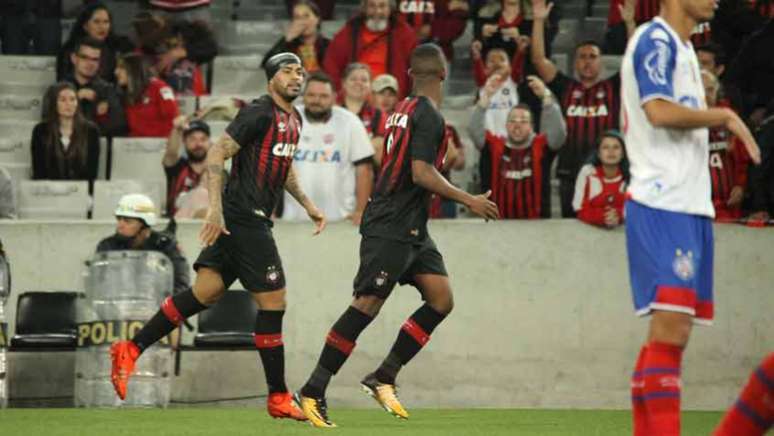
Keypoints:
(528, 115)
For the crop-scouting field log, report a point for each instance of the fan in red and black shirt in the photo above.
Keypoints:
(237, 235)
(728, 160)
(600, 191)
(590, 103)
(355, 95)
(440, 21)
(185, 172)
(395, 247)
(521, 163)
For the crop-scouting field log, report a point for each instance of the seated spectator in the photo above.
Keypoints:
(385, 93)
(303, 37)
(7, 195)
(728, 161)
(377, 37)
(520, 162)
(438, 21)
(175, 50)
(184, 172)
(31, 21)
(591, 104)
(623, 17)
(135, 216)
(183, 9)
(333, 161)
(98, 100)
(356, 91)
(65, 145)
(149, 103)
(95, 22)
(453, 161)
(762, 176)
(600, 191)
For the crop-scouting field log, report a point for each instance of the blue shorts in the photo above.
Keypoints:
(670, 261)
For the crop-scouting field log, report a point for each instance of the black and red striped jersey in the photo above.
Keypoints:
(728, 162)
(398, 208)
(588, 112)
(181, 178)
(267, 136)
(701, 35)
(520, 178)
(417, 12)
(373, 120)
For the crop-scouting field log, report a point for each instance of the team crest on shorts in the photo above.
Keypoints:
(683, 265)
(273, 274)
(381, 279)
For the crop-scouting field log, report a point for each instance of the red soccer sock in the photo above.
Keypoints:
(753, 413)
(661, 388)
(639, 413)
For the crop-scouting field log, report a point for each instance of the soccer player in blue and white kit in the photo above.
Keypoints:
(669, 214)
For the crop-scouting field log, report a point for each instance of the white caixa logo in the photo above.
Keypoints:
(284, 149)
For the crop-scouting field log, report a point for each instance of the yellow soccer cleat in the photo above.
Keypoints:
(385, 395)
(315, 409)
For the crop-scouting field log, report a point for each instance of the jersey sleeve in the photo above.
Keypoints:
(559, 85)
(250, 123)
(655, 58)
(427, 131)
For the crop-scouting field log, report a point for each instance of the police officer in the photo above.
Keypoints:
(135, 215)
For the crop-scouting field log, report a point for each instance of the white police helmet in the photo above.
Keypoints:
(138, 206)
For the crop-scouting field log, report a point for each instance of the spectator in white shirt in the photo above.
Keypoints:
(334, 157)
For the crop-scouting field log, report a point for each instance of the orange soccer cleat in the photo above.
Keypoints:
(123, 354)
(282, 405)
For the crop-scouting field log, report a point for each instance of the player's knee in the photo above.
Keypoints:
(443, 304)
(672, 328)
(208, 295)
(368, 304)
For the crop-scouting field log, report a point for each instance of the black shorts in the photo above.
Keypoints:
(386, 262)
(248, 254)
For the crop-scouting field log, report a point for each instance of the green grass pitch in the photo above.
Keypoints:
(243, 421)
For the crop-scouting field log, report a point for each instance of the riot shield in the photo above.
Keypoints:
(123, 290)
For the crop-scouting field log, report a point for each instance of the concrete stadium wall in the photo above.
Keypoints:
(543, 313)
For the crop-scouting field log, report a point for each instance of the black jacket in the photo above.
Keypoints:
(114, 124)
(762, 176)
(157, 241)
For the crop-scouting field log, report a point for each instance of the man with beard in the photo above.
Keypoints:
(97, 98)
(236, 235)
(378, 37)
(334, 156)
(184, 172)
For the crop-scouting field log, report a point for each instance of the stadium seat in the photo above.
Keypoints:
(562, 63)
(54, 199)
(20, 107)
(594, 28)
(30, 73)
(18, 172)
(187, 104)
(107, 193)
(139, 159)
(217, 128)
(611, 64)
(238, 75)
(567, 36)
(45, 321)
(15, 141)
(229, 323)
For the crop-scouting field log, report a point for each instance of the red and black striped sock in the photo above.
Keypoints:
(268, 340)
(753, 413)
(173, 311)
(661, 388)
(338, 346)
(413, 335)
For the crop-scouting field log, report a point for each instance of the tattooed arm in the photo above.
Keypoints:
(224, 149)
(294, 189)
